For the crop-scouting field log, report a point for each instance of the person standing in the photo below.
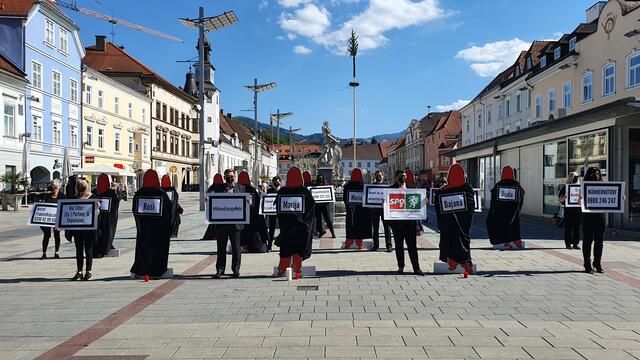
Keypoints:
(358, 219)
(376, 216)
(176, 209)
(53, 197)
(275, 187)
(572, 216)
(229, 232)
(210, 233)
(108, 219)
(593, 227)
(254, 236)
(322, 211)
(84, 239)
(406, 231)
(503, 220)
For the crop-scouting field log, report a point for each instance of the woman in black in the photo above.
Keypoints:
(572, 216)
(53, 197)
(322, 211)
(84, 239)
(593, 226)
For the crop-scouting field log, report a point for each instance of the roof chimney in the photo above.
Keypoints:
(229, 115)
(101, 43)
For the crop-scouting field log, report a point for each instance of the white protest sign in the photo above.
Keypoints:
(355, 197)
(405, 204)
(601, 197)
(507, 193)
(452, 203)
(477, 200)
(170, 194)
(374, 195)
(322, 194)
(43, 214)
(290, 204)
(572, 193)
(149, 205)
(432, 196)
(268, 204)
(77, 214)
(105, 204)
(228, 208)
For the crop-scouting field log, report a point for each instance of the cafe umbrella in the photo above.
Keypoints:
(66, 166)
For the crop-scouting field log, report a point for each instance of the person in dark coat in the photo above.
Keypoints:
(255, 234)
(229, 232)
(176, 209)
(108, 219)
(153, 231)
(84, 239)
(296, 229)
(210, 233)
(376, 216)
(358, 219)
(572, 216)
(593, 227)
(406, 231)
(275, 187)
(503, 219)
(322, 211)
(306, 177)
(53, 197)
(455, 223)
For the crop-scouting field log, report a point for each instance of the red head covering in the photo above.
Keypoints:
(294, 178)
(165, 182)
(243, 178)
(356, 176)
(103, 183)
(217, 179)
(306, 176)
(410, 178)
(150, 180)
(455, 177)
(507, 173)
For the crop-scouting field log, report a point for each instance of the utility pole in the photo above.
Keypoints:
(353, 52)
(257, 89)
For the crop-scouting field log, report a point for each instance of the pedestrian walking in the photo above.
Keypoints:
(572, 216)
(53, 197)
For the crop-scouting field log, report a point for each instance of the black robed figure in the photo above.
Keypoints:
(152, 231)
(108, 220)
(176, 209)
(503, 220)
(255, 234)
(210, 233)
(454, 225)
(296, 229)
(358, 219)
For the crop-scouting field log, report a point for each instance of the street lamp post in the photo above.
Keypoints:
(353, 52)
(257, 89)
(203, 25)
(278, 116)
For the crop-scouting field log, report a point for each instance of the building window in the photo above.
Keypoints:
(528, 63)
(171, 145)
(144, 146)
(566, 95)
(48, 32)
(117, 142)
(572, 43)
(529, 92)
(57, 132)
(518, 102)
(468, 126)
(164, 143)
(144, 115)
(633, 64)
(9, 120)
(158, 143)
(171, 115)
(158, 108)
(37, 128)
(36, 75)
(538, 106)
(100, 99)
(64, 41)
(552, 100)
(609, 79)
(543, 61)
(73, 90)
(73, 135)
(508, 107)
(130, 110)
(554, 173)
(116, 105)
(587, 87)
(55, 87)
(489, 108)
(164, 112)
(350, 164)
(208, 119)
(90, 136)
(101, 138)
(368, 164)
(130, 144)
(518, 125)
(87, 91)
(556, 53)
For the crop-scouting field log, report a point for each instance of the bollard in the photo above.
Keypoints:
(465, 275)
(288, 274)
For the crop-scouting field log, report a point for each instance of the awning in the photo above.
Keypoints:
(102, 169)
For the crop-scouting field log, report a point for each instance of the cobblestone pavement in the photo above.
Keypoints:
(533, 303)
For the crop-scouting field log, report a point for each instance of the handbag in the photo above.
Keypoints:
(558, 219)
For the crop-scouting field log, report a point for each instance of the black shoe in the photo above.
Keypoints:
(218, 275)
(568, 247)
(333, 235)
(598, 268)
(321, 234)
(77, 276)
(56, 256)
(235, 275)
(43, 257)
(418, 272)
(87, 276)
(389, 249)
(375, 248)
(400, 271)
(576, 247)
(268, 248)
(588, 269)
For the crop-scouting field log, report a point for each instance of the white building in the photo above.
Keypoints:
(12, 100)
(368, 156)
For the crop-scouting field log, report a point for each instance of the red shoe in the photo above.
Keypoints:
(518, 244)
(359, 244)
(453, 264)
(348, 243)
(298, 276)
(468, 268)
(282, 266)
(297, 264)
(508, 246)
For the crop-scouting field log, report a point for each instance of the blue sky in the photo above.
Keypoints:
(414, 53)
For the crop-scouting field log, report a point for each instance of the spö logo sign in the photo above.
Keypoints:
(404, 201)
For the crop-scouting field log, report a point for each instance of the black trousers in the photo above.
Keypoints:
(84, 240)
(322, 211)
(272, 228)
(224, 234)
(571, 230)
(376, 215)
(47, 235)
(593, 227)
(406, 233)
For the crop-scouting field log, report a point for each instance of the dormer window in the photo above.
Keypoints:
(517, 72)
(572, 43)
(528, 63)
(543, 61)
(556, 53)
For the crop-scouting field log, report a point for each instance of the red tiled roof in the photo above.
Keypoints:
(7, 66)
(21, 8)
(384, 148)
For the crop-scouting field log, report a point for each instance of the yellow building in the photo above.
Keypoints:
(116, 127)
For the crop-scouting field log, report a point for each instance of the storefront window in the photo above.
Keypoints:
(634, 178)
(554, 175)
(588, 151)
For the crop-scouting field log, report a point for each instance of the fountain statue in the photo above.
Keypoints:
(330, 153)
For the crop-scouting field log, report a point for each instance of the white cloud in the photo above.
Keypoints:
(379, 17)
(456, 105)
(302, 50)
(557, 35)
(491, 58)
(292, 3)
(263, 4)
